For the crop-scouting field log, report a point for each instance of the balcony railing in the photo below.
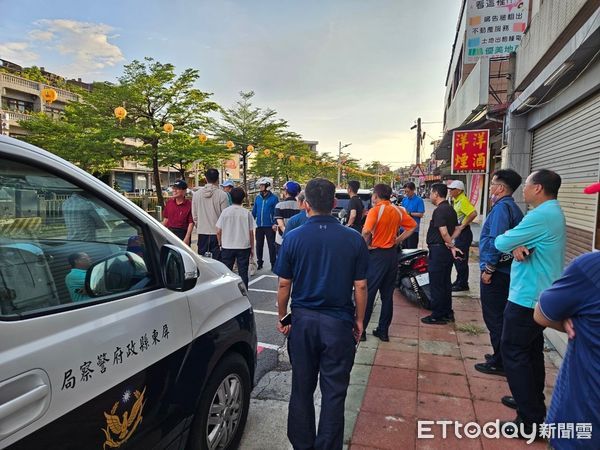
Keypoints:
(23, 83)
(18, 81)
(63, 94)
(15, 116)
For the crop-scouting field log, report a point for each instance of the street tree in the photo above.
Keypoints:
(251, 129)
(153, 96)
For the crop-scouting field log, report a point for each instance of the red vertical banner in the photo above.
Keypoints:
(470, 149)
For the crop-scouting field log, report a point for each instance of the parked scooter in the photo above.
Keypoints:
(413, 277)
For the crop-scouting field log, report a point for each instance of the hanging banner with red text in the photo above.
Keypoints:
(470, 149)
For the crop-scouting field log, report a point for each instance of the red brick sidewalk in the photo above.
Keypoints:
(426, 372)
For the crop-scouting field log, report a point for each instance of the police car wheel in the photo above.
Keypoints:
(223, 409)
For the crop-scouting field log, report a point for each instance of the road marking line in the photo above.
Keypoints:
(269, 346)
(256, 280)
(263, 290)
(271, 313)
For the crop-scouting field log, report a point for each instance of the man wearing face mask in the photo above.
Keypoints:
(495, 265)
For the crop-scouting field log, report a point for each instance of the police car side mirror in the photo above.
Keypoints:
(117, 273)
(178, 269)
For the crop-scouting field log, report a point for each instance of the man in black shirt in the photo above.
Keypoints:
(355, 207)
(442, 252)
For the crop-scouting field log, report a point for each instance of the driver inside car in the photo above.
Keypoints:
(75, 280)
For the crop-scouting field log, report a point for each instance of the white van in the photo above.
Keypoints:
(113, 333)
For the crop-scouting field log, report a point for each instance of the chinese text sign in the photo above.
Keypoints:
(470, 151)
(494, 27)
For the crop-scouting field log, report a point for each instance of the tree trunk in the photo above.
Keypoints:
(245, 167)
(156, 175)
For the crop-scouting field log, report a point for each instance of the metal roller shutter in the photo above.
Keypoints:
(570, 145)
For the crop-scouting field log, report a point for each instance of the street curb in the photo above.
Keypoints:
(359, 379)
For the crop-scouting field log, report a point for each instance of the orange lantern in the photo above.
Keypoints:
(266, 152)
(229, 145)
(202, 138)
(280, 155)
(168, 127)
(250, 148)
(49, 95)
(120, 113)
(292, 158)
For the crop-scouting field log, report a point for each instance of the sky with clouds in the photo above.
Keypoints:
(356, 71)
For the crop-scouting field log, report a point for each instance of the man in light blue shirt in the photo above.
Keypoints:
(538, 247)
(415, 207)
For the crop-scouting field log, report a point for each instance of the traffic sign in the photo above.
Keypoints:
(417, 171)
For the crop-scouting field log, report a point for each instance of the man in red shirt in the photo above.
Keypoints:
(177, 215)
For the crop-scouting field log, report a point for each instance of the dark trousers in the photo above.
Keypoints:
(463, 243)
(179, 232)
(209, 243)
(263, 233)
(493, 301)
(320, 347)
(381, 276)
(412, 241)
(241, 256)
(523, 357)
(440, 280)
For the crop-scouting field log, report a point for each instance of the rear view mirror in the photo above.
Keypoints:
(179, 270)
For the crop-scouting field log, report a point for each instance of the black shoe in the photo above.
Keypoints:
(487, 356)
(381, 335)
(457, 288)
(259, 266)
(490, 369)
(509, 401)
(519, 429)
(450, 317)
(431, 320)
(363, 336)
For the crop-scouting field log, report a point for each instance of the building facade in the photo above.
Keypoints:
(478, 82)
(554, 120)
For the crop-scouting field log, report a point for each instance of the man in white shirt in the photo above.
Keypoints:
(235, 234)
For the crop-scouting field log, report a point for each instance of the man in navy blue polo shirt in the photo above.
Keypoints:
(326, 325)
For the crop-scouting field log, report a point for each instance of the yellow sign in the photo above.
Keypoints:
(119, 430)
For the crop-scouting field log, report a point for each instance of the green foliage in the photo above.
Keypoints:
(245, 124)
(34, 73)
(153, 95)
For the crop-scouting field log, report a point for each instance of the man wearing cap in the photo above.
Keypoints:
(263, 211)
(208, 203)
(572, 305)
(462, 236)
(228, 186)
(285, 210)
(177, 215)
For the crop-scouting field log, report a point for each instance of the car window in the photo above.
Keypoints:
(53, 235)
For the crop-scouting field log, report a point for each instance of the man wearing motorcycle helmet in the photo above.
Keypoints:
(286, 209)
(264, 214)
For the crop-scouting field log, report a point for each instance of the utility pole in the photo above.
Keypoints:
(339, 174)
(419, 140)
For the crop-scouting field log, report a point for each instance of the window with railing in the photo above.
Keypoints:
(13, 104)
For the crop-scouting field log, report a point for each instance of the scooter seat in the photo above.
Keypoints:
(412, 252)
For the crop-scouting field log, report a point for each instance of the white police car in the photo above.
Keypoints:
(113, 333)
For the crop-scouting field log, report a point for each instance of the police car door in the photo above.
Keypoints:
(82, 369)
